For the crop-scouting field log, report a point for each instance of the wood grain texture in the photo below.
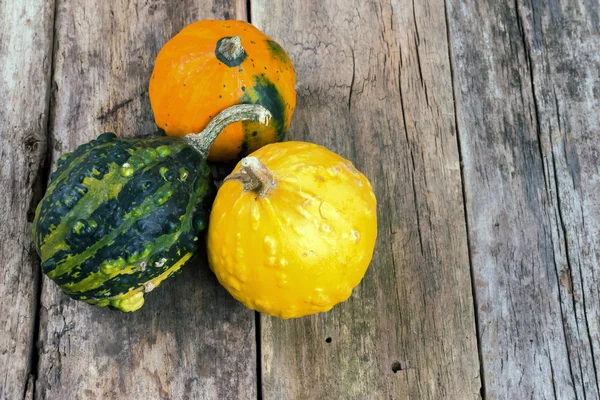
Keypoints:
(374, 84)
(191, 339)
(25, 49)
(527, 97)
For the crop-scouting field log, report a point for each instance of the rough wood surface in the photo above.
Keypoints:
(191, 339)
(374, 84)
(406, 90)
(25, 48)
(527, 97)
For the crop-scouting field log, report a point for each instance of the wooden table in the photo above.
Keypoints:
(478, 124)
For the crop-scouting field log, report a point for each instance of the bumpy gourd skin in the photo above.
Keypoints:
(190, 85)
(301, 248)
(120, 216)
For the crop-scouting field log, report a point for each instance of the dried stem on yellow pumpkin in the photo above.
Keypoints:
(255, 176)
(241, 112)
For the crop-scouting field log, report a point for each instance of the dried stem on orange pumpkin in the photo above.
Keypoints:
(241, 112)
(230, 51)
(255, 176)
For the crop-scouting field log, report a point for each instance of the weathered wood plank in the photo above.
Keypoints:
(191, 339)
(527, 96)
(25, 60)
(374, 84)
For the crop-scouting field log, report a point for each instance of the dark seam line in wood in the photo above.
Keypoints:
(259, 387)
(417, 40)
(585, 315)
(564, 230)
(114, 109)
(418, 37)
(530, 66)
(465, 210)
(394, 266)
(117, 107)
(560, 304)
(400, 334)
(552, 375)
(45, 176)
(587, 327)
(352, 81)
(568, 256)
(412, 159)
(564, 233)
(257, 327)
(423, 84)
(548, 191)
(529, 61)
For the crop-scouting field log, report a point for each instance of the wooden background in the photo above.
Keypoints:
(478, 124)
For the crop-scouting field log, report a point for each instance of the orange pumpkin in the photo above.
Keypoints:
(212, 65)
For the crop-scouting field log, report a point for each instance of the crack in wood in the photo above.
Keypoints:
(478, 328)
(113, 110)
(527, 52)
(417, 40)
(352, 80)
(412, 159)
(25, 89)
(45, 177)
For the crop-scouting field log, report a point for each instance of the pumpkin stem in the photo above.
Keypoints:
(255, 176)
(230, 51)
(241, 112)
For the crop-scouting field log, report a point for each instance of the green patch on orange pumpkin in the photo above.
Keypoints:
(277, 52)
(265, 93)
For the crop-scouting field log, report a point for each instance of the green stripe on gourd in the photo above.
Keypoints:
(144, 209)
(110, 268)
(122, 215)
(116, 176)
(134, 298)
(132, 241)
(70, 163)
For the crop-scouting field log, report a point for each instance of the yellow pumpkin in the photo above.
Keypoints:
(292, 229)
(212, 65)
